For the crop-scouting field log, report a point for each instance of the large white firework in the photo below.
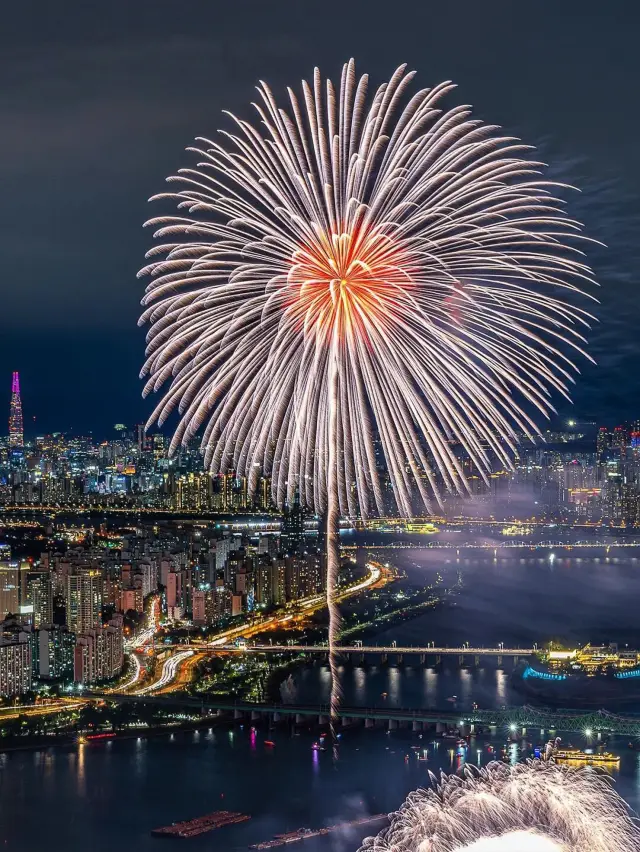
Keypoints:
(531, 807)
(355, 275)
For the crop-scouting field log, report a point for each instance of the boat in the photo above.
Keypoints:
(269, 743)
(304, 833)
(586, 758)
(199, 825)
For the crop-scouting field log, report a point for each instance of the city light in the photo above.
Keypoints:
(332, 275)
(253, 499)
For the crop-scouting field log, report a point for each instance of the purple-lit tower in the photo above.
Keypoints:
(16, 426)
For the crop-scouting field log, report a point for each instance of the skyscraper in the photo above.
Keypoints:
(292, 534)
(13, 576)
(40, 595)
(16, 427)
(56, 652)
(9, 588)
(84, 600)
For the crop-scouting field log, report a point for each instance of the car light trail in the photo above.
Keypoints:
(169, 673)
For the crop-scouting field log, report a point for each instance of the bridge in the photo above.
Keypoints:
(507, 720)
(389, 649)
(360, 650)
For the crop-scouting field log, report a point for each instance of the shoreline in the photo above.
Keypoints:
(144, 733)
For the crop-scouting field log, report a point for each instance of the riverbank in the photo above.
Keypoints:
(84, 738)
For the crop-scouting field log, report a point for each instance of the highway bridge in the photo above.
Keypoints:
(387, 649)
(507, 720)
(350, 650)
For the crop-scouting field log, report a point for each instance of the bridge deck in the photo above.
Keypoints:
(377, 649)
(503, 719)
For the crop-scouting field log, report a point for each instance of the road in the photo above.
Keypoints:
(53, 705)
(169, 673)
(382, 649)
(177, 671)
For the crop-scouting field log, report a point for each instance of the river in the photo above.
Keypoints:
(109, 796)
(518, 599)
(105, 796)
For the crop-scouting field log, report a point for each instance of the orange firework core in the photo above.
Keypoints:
(340, 284)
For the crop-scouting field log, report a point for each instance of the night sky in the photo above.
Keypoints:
(99, 99)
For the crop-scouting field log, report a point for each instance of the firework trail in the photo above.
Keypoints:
(532, 807)
(358, 280)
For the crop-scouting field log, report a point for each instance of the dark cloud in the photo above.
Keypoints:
(98, 101)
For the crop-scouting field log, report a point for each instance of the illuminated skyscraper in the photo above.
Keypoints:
(40, 596)
(9, 588)
(13, 585)
(16, 427)
(292, 534)
(84, 600)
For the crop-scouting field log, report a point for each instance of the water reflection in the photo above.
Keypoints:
(360, 684)
(393, 690)
(431, 683)
(80, 770)
(465, 686)
(501, 687)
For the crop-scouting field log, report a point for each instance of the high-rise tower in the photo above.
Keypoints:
(16, 427)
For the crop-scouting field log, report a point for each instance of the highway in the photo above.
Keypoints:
(170, 669)
(177, 670)
(135, 677)
(135, 646)
(53, 705)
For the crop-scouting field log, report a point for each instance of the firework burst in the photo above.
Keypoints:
(359, 283)
(532, 807)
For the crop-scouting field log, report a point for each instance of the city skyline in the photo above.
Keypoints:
(320, 464)
(557, 422)
(580, 473)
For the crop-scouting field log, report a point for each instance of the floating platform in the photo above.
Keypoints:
(199, 825)
(304, 833)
